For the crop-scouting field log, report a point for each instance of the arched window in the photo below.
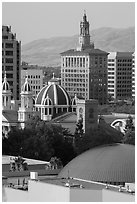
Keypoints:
(46, 111)
(49, 111)
(47, 101)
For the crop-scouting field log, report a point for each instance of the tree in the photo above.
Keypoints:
(43, 141)
(129, 137)
(100, 136)
(129, 124)
(79, 129)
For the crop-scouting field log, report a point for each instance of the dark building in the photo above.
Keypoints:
(11, 60)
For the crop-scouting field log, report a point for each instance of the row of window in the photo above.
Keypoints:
(110, 77)
(124, 69)
(113, 73)
(123, 95)
(7, 53)
(111, 69)
(7, 68)
(124, 90)
(109, 64)
(7, 60)
(110, 90)
(125, 73)
(7, 45)
(125, 60)
(111, 81)
(74, 75)
(76, 89)
(75, 70)
(126, 86)
(8, 75)
(74, 84)
(111, 60)
(34, 76)
(75, 80)
(124, 65)
(74, 62)
(35, 87)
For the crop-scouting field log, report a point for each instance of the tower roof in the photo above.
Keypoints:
(26, 86)
(5, 85)
(87, 51)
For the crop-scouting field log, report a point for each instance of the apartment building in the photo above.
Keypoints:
(84, 70)
(11, 59)
(120, 75)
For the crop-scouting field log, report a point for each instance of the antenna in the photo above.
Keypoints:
(68, 173)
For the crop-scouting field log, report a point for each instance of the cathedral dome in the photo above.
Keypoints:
(26, 86)
(5, 85)
(55, 92)
(107, 163)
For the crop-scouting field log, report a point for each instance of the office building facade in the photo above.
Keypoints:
(120, 75)
(133, 76)
(11, 59)
(84, 70)
(35, 79)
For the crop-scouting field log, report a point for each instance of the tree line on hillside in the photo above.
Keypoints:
(43, 140)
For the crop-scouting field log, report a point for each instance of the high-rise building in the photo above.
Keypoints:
(133, 76)
(11, 58)
(84, 70)
(120, 75)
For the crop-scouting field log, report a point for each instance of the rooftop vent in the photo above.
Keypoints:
(34, 176)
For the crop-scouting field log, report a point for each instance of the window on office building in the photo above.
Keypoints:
(9, 45)
(9, 60)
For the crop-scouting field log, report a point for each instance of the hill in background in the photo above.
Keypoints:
(47, 51)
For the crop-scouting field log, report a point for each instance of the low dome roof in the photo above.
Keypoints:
(109, 163)
(56, 93)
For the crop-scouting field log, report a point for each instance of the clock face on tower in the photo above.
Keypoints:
(81, 110)
(81, 113)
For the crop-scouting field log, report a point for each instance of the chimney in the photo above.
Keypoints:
(34, 176)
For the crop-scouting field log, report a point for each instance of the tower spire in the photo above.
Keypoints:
(84, 37)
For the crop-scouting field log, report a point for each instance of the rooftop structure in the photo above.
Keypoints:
(114, 164)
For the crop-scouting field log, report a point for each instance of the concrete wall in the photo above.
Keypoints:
(14, 195)
(109, 196)
(44, 192)
(85, 195)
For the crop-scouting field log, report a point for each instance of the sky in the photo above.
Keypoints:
(36, 20)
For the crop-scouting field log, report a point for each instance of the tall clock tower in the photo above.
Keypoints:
(88, 111)
(84, 37)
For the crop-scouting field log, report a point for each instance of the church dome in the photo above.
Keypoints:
(55, 92)
(26, 86)
(107, 163)
(5, 85)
